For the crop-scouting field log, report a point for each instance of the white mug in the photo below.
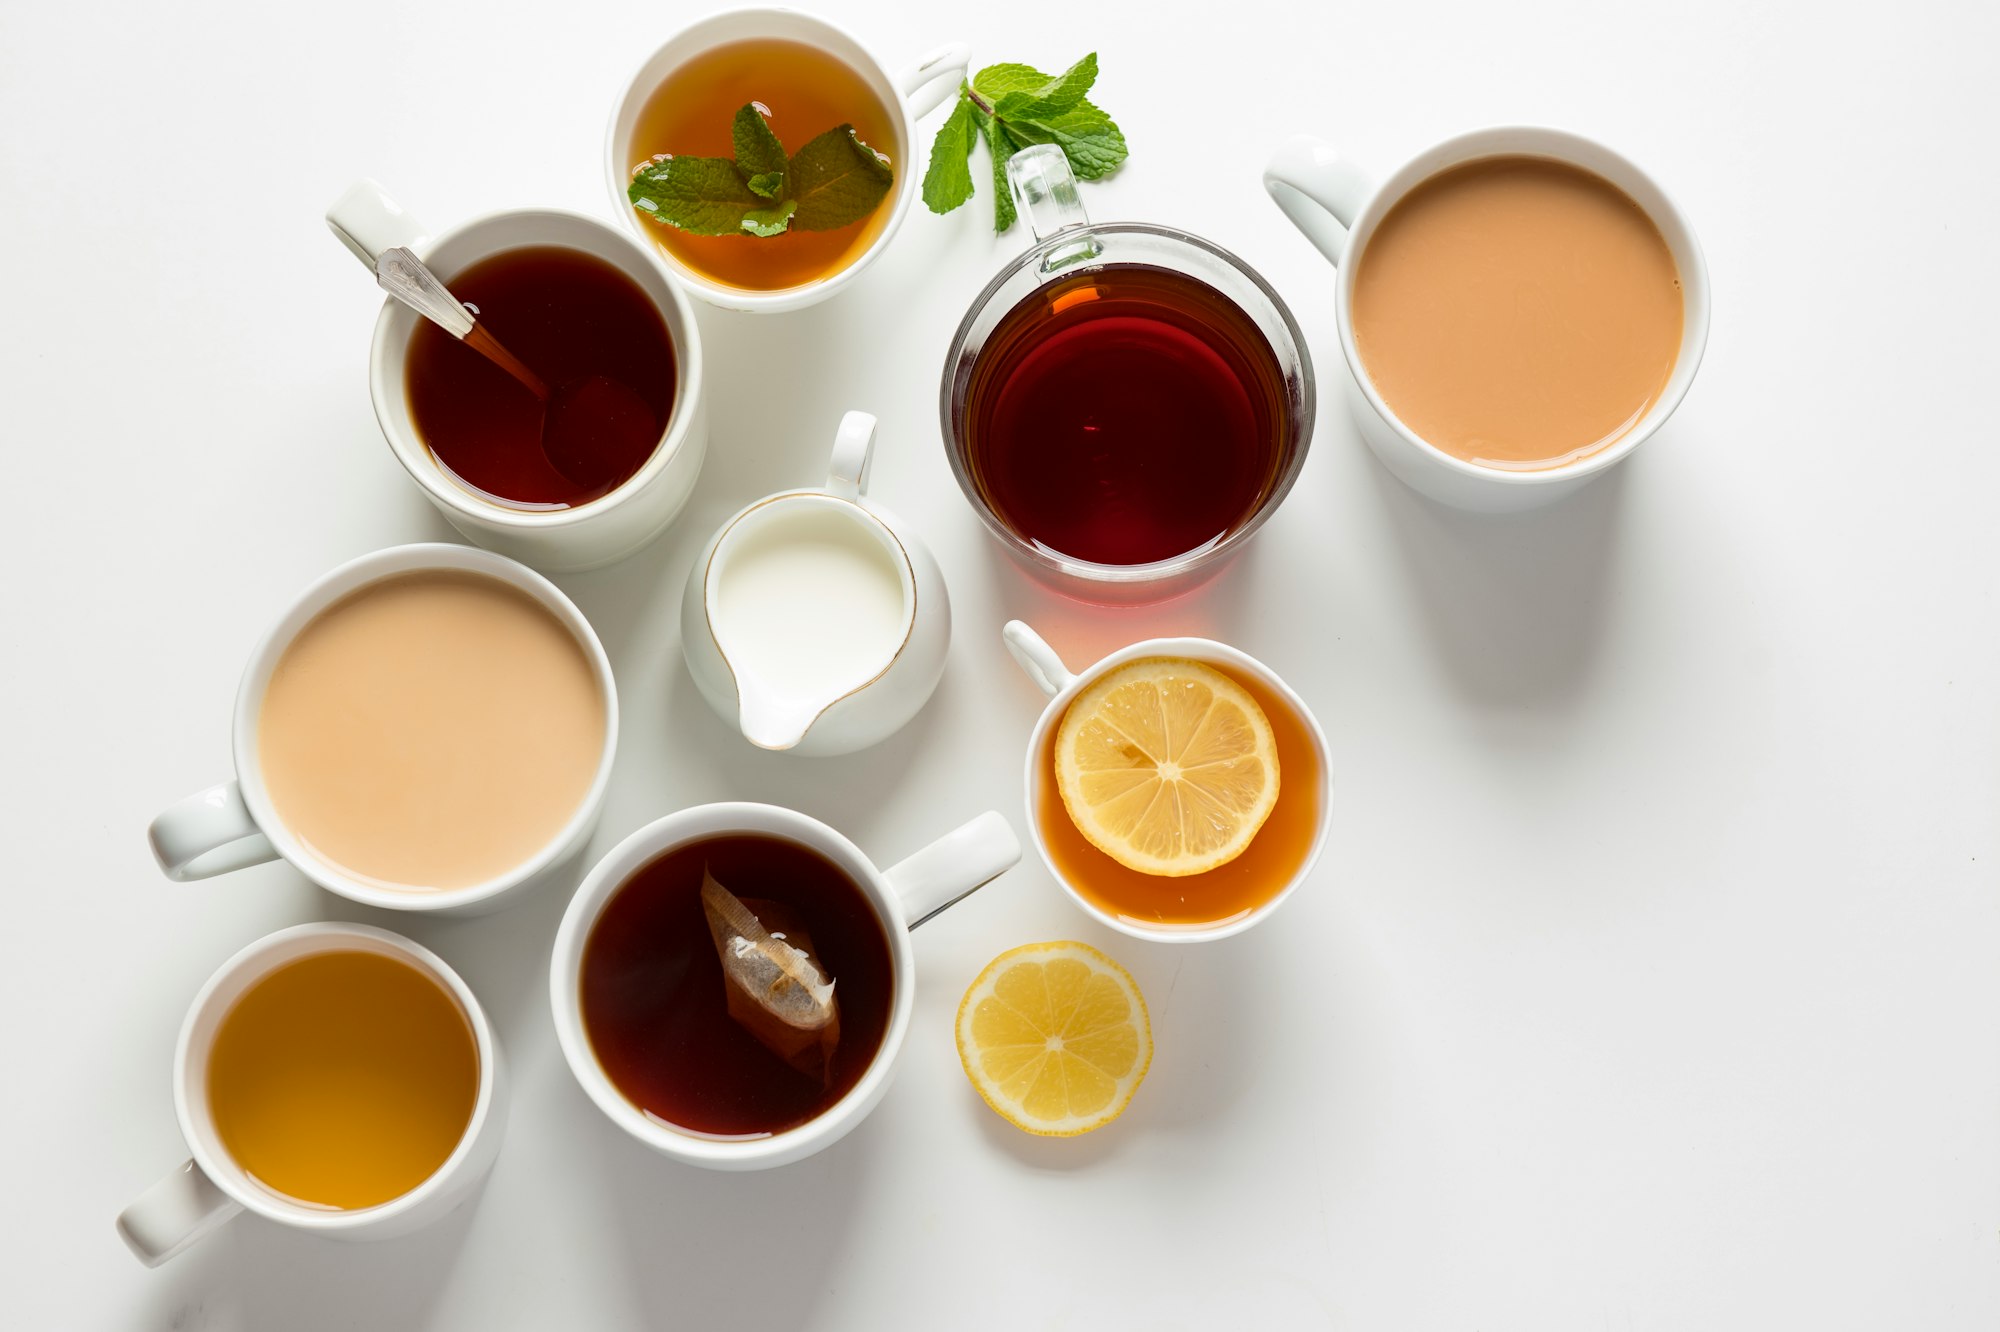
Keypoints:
(211, 1188)
(858, 717)
(571, 540)
(1337, 206)
(1045, 668)
(234, 825)
(903, 897)
(914, 93)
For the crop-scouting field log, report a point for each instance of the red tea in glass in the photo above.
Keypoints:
(1125, 415)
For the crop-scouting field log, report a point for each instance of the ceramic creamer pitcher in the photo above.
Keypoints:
(815, 621)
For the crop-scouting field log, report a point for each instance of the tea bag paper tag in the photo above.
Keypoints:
(775, 988)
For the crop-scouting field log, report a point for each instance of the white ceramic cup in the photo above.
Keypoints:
(801, 722)
(915, 92)
(211, 1188)
(903, 896)
(234, 825)
(587, 536)
(1046, 669)
(1338, 206)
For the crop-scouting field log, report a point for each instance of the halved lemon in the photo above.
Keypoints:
(1055, 1037)
(1167, 766)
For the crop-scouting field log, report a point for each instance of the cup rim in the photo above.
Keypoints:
(351, 576)
(1563, 146)
(751, 300)
(614, 869)
(855, 510)
(230, 1177)
(1157, 571)
(386, 363)
(1198, 649)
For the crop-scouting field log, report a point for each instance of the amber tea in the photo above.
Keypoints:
(674, 1034)
(803, 92)
(1216, 897)
(343, 1079)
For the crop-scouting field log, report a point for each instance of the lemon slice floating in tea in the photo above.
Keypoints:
(1055, 1037)
(1167, 766)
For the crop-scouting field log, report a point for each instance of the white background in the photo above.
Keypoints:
(1652, 978)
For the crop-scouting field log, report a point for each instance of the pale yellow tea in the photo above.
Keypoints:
(343, 1079)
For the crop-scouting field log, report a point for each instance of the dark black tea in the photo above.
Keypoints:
(1125, 415)
(657, 1009)
(588, 331)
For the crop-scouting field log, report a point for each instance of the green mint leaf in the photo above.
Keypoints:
(1093, 144)
(1052, 97)
(704, 196)
(948, 182)
(766, 184)
(1002, 146)
(758, 152)
(770, 221)
(836, 180)
(996, 81)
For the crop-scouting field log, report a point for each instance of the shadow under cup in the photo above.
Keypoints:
(1109, 252)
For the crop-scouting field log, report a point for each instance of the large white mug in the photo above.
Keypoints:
(234, 824)
(903, 897)
(1045, 668)
(910, 95)
(211, 1188)
(586, 536)
(1338, 206)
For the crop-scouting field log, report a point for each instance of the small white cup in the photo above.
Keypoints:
(1338, 207)
(861, 716)
(234, 825)
(188, 1204)
(1043, 666)
(903, 896)
(572, 540)
(912, 94)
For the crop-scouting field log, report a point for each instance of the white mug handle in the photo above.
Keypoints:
(853, 456)
(174, 1214)
(955, 866)
(1319, 190)
(368, 221)
(926, 84)
(1036, 657)
(209, 833)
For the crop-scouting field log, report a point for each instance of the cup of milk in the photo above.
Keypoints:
(815, 621)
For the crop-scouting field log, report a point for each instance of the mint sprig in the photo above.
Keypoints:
(832, 182)
(1011, 107)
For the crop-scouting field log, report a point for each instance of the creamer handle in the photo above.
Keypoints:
(853, 456)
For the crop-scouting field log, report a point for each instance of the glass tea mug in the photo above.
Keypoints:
(1067, 243)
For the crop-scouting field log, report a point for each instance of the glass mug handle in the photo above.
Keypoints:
(1044, 190)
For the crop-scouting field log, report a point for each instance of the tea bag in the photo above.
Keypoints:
(776, 990)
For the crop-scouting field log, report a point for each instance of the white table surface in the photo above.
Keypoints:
(1651, 979)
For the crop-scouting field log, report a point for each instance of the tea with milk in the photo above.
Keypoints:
(1518, 312)
(431, 730)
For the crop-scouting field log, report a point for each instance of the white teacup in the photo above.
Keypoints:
(234, 825)
(840, 715)
(1337, 206)
(571, 540)
(911, 94)
(211, 1188)
(903, 896)
(1046, 669)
